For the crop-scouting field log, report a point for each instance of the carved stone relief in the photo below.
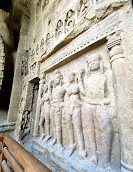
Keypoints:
(42, 48)
(27, 109)
(59, 28)
(38, 9)
(70, 20)
(45, 3)
(97, 100)
(84, 6)
(81, 98)
(24, 67)
(45, 114)
(73, 115)
(48, 39)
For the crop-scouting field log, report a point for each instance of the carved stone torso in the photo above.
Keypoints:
(46, 99)
(58, 94)
(95, 86)
(73, 92)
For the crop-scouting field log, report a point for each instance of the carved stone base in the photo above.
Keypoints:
(60, 161)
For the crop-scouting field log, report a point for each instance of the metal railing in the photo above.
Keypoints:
(16, 158)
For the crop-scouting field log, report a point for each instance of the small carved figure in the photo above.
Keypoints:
(38, 9)
(45, 113)
(33, 54)
(48, 39)
(29, 53)
(95, 91)
(25, 124)
(84, 5)
(70, 20)
(58, 93)
(42, 47)
(74, 116)
(24, 68)
(45, 3)
(40, 105)
(37, 51)
(59, 28)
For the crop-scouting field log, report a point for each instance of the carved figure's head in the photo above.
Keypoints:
(94, 62)
(70, 14)
(59, 24)
(71, 77)
(48, 38)
(42, 42)
(84, 1)
(58, 77)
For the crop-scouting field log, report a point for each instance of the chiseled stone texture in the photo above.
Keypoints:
(76, 84)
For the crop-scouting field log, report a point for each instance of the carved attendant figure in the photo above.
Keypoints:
(24, 68)
(48, 38)
(37, 51)
(96, 94)
(42, 48)
(69, 22)
(45, 114)
(84, 5)
(58, 93)
(46, 110)
(74, 116)
(59, 28)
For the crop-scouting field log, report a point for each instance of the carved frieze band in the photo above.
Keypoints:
(98, 32)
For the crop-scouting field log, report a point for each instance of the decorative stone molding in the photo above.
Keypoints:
(113, 44)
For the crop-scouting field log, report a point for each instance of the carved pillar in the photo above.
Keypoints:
(2, 60)
(118, 63)
(18, 79)
(38, 109)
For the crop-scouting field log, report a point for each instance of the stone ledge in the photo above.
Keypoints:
(7, 126)
(59, 160)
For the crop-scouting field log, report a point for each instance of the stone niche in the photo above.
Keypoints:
(73, 117)
(77, 116)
